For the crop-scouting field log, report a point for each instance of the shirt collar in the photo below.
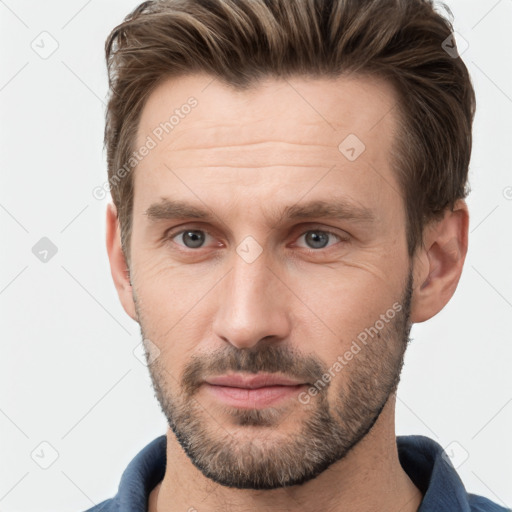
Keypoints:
(141, 476)
(431, 471)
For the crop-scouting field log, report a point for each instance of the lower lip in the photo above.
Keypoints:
(253, 398)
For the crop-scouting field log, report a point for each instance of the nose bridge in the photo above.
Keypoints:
(252, 302)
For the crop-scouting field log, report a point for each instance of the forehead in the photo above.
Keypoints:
(277, 132)
(325, 108)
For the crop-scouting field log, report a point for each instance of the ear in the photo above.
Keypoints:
(118, 267)
(438, 263)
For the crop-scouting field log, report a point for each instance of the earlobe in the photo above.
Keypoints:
(118, 267)
(439, 263)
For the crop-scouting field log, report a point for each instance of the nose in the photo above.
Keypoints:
(253, 304)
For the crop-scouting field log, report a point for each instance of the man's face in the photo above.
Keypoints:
(298, 269)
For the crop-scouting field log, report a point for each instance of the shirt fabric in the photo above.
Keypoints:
(420, 457)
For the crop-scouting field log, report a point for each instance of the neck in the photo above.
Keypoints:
(370, 478)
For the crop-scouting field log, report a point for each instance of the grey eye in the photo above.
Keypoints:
(192, 238)
(317, 239)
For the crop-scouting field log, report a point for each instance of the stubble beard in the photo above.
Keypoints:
(252, 452)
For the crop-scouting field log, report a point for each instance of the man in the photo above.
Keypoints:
(288, 179)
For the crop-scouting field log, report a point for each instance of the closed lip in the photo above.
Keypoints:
(260, 380)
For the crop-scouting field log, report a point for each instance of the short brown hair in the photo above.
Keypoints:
(241, 42)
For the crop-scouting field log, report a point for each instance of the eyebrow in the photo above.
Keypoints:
(340, 209)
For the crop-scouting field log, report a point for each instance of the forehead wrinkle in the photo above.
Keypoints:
(254, 154)
(262, 142)
(226, 133)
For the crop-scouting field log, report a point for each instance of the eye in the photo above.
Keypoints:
(319, 239)
(316, 239)
(190, 238)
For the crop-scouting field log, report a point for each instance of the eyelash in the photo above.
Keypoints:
(170, 235)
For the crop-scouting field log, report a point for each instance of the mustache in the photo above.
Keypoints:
(270, 359)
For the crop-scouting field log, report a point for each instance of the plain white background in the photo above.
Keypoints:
(69, 377)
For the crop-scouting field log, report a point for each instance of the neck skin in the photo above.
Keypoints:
(370, 478)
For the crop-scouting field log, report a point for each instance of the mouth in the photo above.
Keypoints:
(252, 391)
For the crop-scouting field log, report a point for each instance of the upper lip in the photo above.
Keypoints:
(259, 380)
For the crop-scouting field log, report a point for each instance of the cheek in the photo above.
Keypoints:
(347, 309)
(172, 303)
(168, 288)
(345, 298)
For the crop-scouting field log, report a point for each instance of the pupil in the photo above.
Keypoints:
(196, 239)
(316, 240)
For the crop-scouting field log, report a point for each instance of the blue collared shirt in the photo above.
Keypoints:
(421, 458)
